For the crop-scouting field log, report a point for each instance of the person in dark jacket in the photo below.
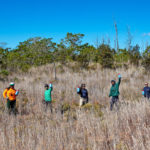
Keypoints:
(114, 92)
(146, 91)
(83, 92)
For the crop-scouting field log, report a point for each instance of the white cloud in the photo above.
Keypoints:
(146, 34)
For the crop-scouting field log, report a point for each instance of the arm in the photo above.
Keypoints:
(17, 93)
(51, 87)
(78, 90)
(143, 93)
(119, 79)
(5, 93)
(110, 93)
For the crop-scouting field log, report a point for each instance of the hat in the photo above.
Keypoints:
(12, 84)
(46, 85)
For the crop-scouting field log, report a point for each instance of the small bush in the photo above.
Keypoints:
(65, 107)
(4, 73)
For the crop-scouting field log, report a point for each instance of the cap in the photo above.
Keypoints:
(12, 84)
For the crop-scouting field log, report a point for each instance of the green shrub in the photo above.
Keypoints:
(65, 107)
(4, 73)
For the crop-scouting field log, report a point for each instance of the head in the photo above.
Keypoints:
(146, 84)
(83, 86)
(12, 85)
(46, 86)
(113, 82)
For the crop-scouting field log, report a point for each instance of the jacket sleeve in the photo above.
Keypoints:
(51, 87)
(17, 93)
(5, 93)
(110, 94)
(119, 81)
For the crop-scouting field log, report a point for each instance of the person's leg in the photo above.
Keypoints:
(8, 105)
(86, 101)
(46, 105)
(148, 97)
(116, 102)
(111, 103)
(81, 101)
(13, 107)
(51, 107)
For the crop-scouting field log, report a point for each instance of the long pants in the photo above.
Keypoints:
(11, 105)
(114, 100)
(83, 101)
(147, 96)
(49, 105)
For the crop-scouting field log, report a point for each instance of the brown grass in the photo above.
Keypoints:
(77, 129)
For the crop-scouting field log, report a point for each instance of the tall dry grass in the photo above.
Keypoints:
(34, 129)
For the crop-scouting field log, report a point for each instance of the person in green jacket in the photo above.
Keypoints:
(114, 92)
(48, 96)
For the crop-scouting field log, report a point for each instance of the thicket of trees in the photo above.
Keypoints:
(39, 51)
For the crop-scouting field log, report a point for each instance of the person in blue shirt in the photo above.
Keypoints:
(146, 91)
(83, 92)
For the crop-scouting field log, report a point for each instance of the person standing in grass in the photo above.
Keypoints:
(11, 98)
(114, 92)
(48, 96)
(83, 92)
(146, 91)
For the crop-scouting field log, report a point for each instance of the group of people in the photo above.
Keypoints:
(114, 93)
(10, 94)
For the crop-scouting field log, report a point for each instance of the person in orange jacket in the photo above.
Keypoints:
(11, 101)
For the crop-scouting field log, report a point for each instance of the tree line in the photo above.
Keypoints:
(40, 51)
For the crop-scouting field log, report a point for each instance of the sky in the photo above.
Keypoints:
(23, 19)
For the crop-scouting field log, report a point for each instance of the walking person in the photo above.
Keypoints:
(48, 96)
(114, 92)
(11, 98)
(146, 91)
(83, 92)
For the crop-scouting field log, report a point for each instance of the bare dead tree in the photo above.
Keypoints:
(103, 40)
(129, 40)
(97, 42)
(108, 40)
(116, 29)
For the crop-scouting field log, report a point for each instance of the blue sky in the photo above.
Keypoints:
(22, 19)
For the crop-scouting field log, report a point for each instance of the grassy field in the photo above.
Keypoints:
(93, 127)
